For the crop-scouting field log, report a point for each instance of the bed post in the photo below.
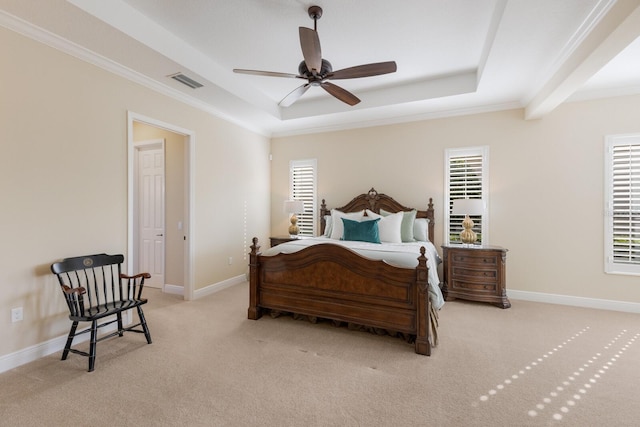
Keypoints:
(423, 327)
(254, 310)
(323, 213)
(431, 217)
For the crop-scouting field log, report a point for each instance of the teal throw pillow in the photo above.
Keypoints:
(364, 231)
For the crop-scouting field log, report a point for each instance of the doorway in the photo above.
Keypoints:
(149, 211)
(163, 244)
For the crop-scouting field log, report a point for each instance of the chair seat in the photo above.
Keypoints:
(108, 309)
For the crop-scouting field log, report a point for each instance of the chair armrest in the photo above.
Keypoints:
(134, 284)
(137, 276)
(80, 290)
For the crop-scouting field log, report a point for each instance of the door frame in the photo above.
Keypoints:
(190, 140)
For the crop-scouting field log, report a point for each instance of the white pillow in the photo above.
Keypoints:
(421, 229)
(337, 227)
(406, 230)
(389, 227)
(328, 226)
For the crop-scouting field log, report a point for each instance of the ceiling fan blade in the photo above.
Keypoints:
(310, 44)
(266, 73)
(366, 70)
(340, 93)
(294, 95)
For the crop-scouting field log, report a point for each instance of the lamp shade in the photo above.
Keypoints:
(468, 207)
(293, 206)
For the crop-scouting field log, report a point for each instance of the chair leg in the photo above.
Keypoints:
(67, 347)
(92, 345)
(143, 321)
(120, 330)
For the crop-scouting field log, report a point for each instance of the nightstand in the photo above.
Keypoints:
(476, 273)
(281, 239)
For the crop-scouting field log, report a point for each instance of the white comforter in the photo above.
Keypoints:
(398, 254)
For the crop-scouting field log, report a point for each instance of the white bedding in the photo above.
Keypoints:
(398, 254)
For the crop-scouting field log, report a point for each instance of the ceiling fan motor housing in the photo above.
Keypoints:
(325, 69)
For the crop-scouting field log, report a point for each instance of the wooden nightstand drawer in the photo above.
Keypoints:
(459, 284)
(475, 273)
(470, 273)
(475, 259)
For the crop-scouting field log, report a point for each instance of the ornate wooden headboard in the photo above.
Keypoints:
(375, 201)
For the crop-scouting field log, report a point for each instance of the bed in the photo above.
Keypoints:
(347, 282)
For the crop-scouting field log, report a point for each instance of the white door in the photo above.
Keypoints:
(151, 214)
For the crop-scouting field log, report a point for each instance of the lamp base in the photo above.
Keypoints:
(467, 235)
(293, 228)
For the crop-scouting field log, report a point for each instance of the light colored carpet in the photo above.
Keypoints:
(531, 365)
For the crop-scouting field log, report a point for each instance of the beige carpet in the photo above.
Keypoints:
(531, 365)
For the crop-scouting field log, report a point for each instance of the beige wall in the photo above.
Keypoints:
(63, 180)
(546, 184)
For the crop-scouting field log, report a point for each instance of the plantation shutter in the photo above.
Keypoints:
(466, 178)
(623, 233)
(303, 187)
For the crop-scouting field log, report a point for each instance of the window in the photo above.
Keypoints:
(622, 204)
(302, 186)
(466, 177)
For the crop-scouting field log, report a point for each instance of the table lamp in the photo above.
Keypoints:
(293, 207)
(467, 207)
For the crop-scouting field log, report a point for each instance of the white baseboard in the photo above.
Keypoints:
(35, 352)
(601, 304)
(216, 287)
(173, 289)
(29, 354)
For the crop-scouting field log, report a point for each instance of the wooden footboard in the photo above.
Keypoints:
(332, 282)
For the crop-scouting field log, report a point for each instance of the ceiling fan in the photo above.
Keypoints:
(317, 71)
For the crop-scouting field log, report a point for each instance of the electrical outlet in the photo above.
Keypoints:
(230, 260)
(16, 314)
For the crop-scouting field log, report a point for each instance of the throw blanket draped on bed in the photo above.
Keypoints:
(403, 255)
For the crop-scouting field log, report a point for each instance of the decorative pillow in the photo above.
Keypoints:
(328, 225)
(389, 226)
(337, 228)
(406, 230)
(362, 231)
(421, 229)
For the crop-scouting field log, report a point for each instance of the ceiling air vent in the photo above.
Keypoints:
(186, 80)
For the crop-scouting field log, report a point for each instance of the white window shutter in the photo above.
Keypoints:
(466, 177)
(303, 187)
(622, 193)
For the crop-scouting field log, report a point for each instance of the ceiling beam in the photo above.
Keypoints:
(610, 36)
(494, 24)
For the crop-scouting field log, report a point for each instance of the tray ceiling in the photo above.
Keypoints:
(453, 57)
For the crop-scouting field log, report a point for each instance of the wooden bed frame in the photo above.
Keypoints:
(332, 282)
